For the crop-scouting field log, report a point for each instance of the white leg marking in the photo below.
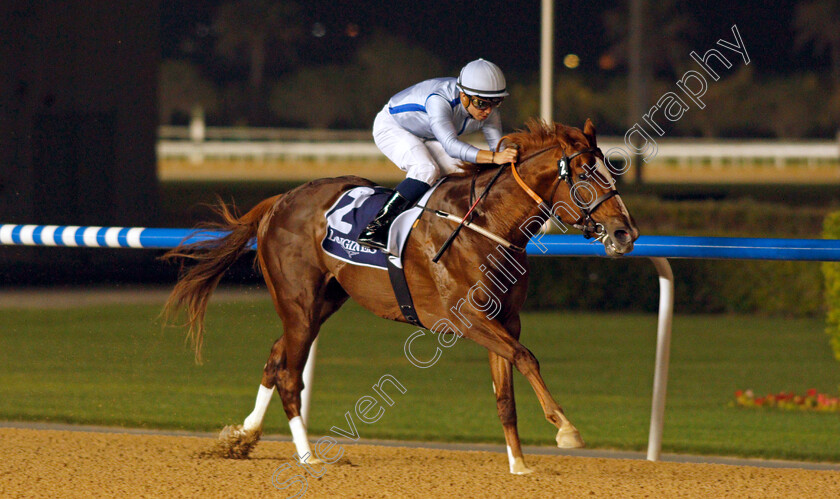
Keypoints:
(254, 420)
(299, 437)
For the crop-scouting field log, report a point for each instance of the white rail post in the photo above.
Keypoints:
(198, 133)
(663, 355)
(308, 375)
(547, 61)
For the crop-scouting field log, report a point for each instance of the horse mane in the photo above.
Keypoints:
(539, 135)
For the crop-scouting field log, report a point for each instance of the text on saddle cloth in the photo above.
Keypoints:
(351, 213)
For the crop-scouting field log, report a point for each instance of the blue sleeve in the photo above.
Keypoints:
(492, 129)
(440, 120)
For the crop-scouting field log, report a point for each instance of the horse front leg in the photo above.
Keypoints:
(502, 374)
(568, 437)
(498, 340)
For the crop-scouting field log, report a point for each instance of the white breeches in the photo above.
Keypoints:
(421, 159)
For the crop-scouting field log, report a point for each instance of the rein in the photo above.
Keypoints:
(454, 234)
(585, 223)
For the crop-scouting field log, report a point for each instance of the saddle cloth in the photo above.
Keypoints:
(351, 213)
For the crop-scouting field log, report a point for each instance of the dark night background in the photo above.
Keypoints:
(503, 31)
(349, 57)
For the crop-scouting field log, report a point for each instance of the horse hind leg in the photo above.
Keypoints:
(238, 440)
(502, 374)
(285, 366)
(284, 370)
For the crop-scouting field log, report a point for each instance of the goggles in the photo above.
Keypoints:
(483, 103)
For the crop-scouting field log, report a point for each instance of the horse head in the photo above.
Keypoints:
(564, 166)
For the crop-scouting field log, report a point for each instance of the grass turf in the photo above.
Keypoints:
(115, 365)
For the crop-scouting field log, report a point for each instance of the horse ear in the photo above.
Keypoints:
(589, 131)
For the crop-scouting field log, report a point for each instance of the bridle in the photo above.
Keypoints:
(585, 222)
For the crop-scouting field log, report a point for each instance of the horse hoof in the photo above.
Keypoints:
(569, 439)
(313, 461)
(235, 442)
(231, 432)
(517, 467)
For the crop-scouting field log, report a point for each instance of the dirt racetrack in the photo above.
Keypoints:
(49, 463)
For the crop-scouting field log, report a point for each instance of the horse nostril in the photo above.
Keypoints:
(621, 236)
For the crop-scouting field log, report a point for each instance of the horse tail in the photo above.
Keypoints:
(211, 259)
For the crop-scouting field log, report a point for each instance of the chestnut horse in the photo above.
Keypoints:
(308, 286)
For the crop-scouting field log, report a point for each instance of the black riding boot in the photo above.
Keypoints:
(375, 234)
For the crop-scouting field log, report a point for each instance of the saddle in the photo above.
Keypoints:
(346, 219)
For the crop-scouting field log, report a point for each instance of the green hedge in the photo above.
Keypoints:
(731, 218)
(702, 286)
(831, 270)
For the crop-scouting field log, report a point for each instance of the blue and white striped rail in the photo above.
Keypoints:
(732, 248)
(739, 248)
(100, 237)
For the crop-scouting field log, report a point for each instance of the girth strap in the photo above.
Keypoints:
(397, 275)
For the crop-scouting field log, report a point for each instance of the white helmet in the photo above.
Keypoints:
(482, 78)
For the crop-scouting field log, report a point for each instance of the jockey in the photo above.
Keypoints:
(418, 130)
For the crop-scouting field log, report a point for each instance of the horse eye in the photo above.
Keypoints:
(582, 176)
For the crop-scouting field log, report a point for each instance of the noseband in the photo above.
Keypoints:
(585, 223)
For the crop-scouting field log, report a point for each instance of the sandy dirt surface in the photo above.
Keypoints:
(49, 463)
